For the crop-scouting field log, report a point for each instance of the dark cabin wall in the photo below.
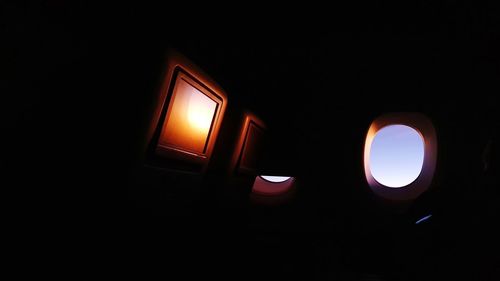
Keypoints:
(81, 80)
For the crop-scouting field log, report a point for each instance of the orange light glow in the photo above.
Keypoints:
(201, 110)
(191, 114)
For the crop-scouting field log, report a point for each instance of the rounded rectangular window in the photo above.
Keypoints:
(400, 155)
(187, 117)
(396, 155)
(191, 114)
(249, 147)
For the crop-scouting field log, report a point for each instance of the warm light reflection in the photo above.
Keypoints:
(275, 178)
(201, 110)
(396, 155)
(190, 117)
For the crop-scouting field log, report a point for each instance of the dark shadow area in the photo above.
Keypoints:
(78, 83)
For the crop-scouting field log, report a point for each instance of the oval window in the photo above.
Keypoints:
(396, 155)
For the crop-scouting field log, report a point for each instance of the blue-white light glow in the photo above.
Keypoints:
(396, 155)
(423, 219)
(275, 178)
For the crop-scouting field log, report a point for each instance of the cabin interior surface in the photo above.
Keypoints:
(125, 165)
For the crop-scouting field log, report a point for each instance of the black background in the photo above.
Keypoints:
(78, 81)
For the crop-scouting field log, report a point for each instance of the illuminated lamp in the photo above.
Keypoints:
(400, 155)
(188, 114)
(249, 146)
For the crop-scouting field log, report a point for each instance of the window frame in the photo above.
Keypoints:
(422, 125)
(241, 148)
(172, 158)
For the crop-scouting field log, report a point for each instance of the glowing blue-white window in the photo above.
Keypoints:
(275, 179)
(396, 155)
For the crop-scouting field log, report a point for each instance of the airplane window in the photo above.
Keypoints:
(423, 219)
(272, 185)
(275, 178)
(396, 155)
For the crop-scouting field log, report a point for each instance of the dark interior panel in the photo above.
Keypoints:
(79, 83)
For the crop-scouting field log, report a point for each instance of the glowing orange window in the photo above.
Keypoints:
(186, 119)
(187, 126)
